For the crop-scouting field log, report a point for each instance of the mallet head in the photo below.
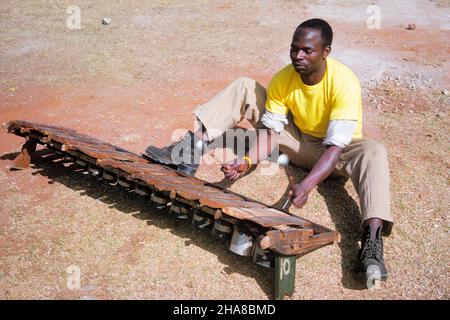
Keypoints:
(283, 160)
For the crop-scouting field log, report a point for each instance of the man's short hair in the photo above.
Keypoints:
(326, 32)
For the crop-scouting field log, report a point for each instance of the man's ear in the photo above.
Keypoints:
(326, 51)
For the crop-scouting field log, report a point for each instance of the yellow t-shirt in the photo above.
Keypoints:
(336, 97)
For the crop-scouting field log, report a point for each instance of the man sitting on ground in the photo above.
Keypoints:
(313, 109)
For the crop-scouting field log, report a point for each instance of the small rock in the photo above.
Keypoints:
(445, 92)
(106, 20)
(411, 111)
(411, 26)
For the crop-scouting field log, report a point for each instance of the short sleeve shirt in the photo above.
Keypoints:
(336, 97)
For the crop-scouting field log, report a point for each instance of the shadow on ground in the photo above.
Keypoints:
(9, 156)
(346, 217)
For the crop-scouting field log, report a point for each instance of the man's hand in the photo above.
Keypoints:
(234, 170)
(265, 144)
(299, 195)
(321, 170)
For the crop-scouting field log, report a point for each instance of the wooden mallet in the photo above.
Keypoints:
(283, 161)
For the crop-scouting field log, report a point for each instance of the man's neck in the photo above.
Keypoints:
(315, 77)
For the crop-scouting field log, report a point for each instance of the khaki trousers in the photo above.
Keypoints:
(364, 160)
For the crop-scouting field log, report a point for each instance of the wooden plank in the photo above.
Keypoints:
(296, 241)
(237, 213)
(225, 203)
(266, 217)
(276, 217)
(289, 241)
(17, 124)
(203, 193)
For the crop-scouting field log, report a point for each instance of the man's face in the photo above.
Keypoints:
(307, 52)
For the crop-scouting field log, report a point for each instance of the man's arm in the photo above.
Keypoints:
(321, 170)
(266, 140)
(265, 143)
(339, 135)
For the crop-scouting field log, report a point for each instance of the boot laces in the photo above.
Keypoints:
(373, 249)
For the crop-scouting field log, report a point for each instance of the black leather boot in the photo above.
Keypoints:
(184, 155)
(371, 258)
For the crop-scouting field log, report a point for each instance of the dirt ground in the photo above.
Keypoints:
(134, 81)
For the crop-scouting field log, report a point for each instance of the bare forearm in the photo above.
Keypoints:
(323, 167)
(266, 141)
(265, 144)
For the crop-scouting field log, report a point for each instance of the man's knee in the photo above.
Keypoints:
(374, 150)
(244, 81)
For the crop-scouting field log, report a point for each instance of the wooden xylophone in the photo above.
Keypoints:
(274, 238)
